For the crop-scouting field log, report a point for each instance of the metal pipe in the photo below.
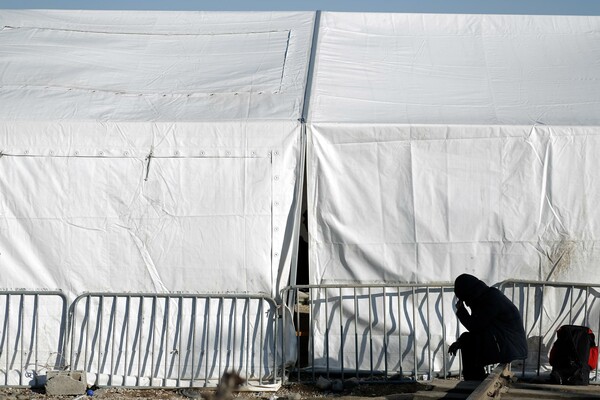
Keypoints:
(385, 338)
(444, 352)
(414, 318)
(370, 305)
(327, 332)
(400, 354)
(261, 343)
(356, 332)
(342, 336)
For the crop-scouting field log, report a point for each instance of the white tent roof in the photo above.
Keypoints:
(153, 66)
(457, 69)
(151, 151)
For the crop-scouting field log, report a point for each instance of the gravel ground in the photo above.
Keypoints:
(292, 391)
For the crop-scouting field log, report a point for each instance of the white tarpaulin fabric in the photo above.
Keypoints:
(150, 151)
(441, 144)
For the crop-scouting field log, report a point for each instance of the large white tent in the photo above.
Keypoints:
(442, 144)
(164, 152)
(150, 151)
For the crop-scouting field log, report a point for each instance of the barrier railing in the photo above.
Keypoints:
(388, 330)
(545, 306)
(141, 339)
(32, 334)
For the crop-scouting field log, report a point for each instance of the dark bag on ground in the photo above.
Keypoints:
(573, 355)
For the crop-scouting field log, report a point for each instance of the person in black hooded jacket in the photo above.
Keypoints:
(495, 328)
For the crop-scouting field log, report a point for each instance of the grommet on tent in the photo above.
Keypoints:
(26, 152)
(276, 204)
(227, 153)
(276, 229)
(176, 153)
(276, 177)
(202, 153)
(76, 153)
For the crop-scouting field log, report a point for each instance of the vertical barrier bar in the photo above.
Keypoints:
(299, 331)
(400, 355)
(193, 339)
(312, 329)
(586, 312)
(414, 324)
(100, 328)
(151, 332)
(370, 305)
(539, 361)
(430, 362)
(275, 318)
(127, 316)
(222, 302)
(385, 344)
(342, 336)
(598, 332)
(19, 339)
(247, 338)
(356, 332)
(207, 337)
(326, 331)
(113, 342)
(165, 346)
(36, 322)
(140, 346)
(87, 331)
(261, 341)
(444, 351)
(572, 289)
(234, 340)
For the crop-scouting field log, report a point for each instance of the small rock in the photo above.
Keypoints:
(337, 386)
(323, 384)
(294, 396)
(23, 397)
(351, 383)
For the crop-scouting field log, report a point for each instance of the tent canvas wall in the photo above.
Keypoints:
(443, 144)
(163, 152)
(150, 151)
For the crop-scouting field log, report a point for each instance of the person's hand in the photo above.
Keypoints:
(460, 304)
(454, 348)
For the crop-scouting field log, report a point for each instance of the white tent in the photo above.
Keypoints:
(442, 144)
(150, 151)
(164, 152)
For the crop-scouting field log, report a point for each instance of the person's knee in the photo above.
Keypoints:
(466, 337)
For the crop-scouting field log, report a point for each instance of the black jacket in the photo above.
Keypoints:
(493, 316)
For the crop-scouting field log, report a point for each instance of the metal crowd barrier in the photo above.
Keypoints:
(545, 306)
(32, 334)
(176, 340)
(384, 330)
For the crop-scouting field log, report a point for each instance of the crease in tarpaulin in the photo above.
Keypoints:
(545, 195)
(87, 228)
(159, 286)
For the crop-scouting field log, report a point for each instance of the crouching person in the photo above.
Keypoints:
(495, 328)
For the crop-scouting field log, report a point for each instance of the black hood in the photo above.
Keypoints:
(468, 288)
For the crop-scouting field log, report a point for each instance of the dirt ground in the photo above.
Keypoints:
(294, 391)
